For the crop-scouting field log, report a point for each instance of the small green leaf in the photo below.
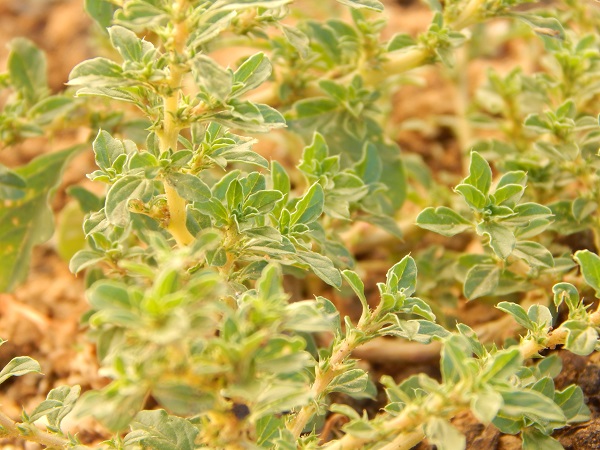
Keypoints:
(473, 196)
(540, 315)
(444, 436)
(310, 206)
(358, 287)
(107, 149)
(84, 259)
(400, 41)
(361, 429)
(322, 267)
(96, 72)
(251, 74)
(572, 402)
(12, 186)
(280, 177)
(43, 409)
(19, 366)
(534, 253)
(156, 429)
(508, 195)
(29, 221)
(531, 405)
(481, 280)
(517, 312)
(590, 268)
(534, 439)
(101, 11)
(130, 47)
(502, 239)
(443, 220)
(545, 26)
(402, 277)
(311, 107)
(349, 382)
(455, 352)
(583, 208)
(117, 198)
(189, 186)
(502, 365)
(485, 405)
(568, 293)
(263, 201)
(581, 338)
(27, 69)
(212, 78)
(374, 5)
(480, 174)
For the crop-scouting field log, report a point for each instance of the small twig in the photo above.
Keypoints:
(30, 433)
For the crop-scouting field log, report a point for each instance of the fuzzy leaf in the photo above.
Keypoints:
(481, 280)
(534, 253)
(322, 267)
(358, 287)
(443, 220)
(402, 277)
(480, 174)
(444, 436)
(126, 188)
(366, 4)
(517, 312)
(590, 268)
(251, 74)
(581, 338)
(19, 366)
(473, 196)
(310, 206)
(212, 78)
(189, 186)
(158, 430)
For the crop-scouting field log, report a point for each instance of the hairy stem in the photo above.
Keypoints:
(408, 424)
(170, 129)
(322, 380)
(31, 433)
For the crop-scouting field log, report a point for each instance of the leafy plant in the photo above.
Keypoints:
(190, 251)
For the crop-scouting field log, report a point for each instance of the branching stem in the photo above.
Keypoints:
(8, 427)
(170, 129)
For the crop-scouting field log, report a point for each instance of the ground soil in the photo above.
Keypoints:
(41, 317)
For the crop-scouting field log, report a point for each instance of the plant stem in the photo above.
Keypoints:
(469, 15)
(170, 129)
(31, 433)
(410, 420)
(322, 380)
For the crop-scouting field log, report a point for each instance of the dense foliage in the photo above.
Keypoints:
(187, 253)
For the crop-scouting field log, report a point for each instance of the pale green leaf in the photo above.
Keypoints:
(310, 206)
(443, 435)
(443, 220)
(590, 268)
(189, 186)
(19, 366)
(480, 174)
(27, 70)
(481, 280)
(374, 5)
(29, 221)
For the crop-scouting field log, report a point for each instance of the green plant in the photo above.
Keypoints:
(187, 252)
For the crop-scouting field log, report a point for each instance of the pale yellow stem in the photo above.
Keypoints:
(170, 132)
